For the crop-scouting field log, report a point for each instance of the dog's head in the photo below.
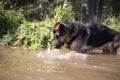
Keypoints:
(61, 34)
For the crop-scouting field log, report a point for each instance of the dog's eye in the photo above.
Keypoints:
(58, 33)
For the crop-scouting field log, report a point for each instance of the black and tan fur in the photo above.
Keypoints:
(84, 37)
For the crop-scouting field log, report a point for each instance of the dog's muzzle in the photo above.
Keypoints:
(58, 44)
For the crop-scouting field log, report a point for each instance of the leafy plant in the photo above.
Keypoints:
(9, 21)
(37, 34)
(64, 12)
(6, 39)
(113, 23)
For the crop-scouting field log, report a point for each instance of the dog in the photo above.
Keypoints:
(84, 37)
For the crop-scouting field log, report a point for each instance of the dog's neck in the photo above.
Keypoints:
(75, 33)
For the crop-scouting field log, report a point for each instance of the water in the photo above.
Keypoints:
(19, 64)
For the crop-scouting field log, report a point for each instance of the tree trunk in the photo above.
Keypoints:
(92, 10)
(100, 7)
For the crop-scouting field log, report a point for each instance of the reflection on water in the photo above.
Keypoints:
(18, 64)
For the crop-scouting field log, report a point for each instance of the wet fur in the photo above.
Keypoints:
(84, 37)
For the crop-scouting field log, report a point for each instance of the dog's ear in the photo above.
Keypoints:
(63, 26)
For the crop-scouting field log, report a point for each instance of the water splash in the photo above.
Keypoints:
(60, 54)
(56, 54)
(48, 50)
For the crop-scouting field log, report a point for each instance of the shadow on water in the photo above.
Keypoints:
(18, 64)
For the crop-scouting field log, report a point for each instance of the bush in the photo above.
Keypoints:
(9, 21)
(37, 34)
(1, 6)
(64, 12)
(6, 39)
(113, 23)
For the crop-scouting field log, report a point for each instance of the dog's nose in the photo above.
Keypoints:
(57, 36)
(56, 46)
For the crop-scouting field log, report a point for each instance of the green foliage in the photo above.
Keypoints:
(113, 23)
(6, 39)
(37, 34)
(1, 6)
(9, 21)
(63, 12)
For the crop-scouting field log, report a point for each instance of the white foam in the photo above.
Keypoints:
(56, 54)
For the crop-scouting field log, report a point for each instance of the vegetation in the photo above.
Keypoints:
(37, 34)
(9, 23)
(26, 23)
(113, 23)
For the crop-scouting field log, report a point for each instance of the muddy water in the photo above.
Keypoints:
(18, 64)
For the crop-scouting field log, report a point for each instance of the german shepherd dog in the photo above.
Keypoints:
(84, 37)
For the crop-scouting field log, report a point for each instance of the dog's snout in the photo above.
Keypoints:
(58, 44)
